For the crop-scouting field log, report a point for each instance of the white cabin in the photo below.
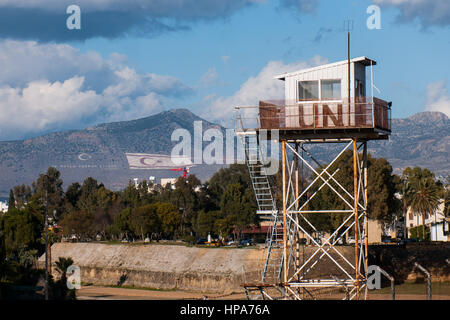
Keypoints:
(319, 98)
(327, 82)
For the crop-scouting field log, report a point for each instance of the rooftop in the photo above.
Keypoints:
(364, 60)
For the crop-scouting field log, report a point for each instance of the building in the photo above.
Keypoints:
(439, 225)
(3, 206)
(320, 98)
(170, 181)
(325, 104)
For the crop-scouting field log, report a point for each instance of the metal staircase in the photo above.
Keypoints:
(267, 208)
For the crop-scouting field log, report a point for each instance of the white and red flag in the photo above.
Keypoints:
(157, 161)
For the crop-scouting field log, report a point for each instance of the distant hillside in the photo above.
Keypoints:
(99, 151)
(420, 140)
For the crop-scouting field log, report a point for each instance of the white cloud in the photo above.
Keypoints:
(42, 104)
(209, 78)
(22, 62)
(261, 87)
(308, 6)
(46, 87)
(428, 12)
(438, 97)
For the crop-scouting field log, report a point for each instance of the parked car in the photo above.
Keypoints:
(246, 242)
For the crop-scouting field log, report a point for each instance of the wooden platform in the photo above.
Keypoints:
(363, 119)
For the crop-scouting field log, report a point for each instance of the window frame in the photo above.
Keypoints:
(319, 82)
(298, 90)
(329, 98)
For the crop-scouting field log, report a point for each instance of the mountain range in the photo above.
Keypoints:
(99, 151)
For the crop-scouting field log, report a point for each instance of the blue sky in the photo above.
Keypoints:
(134, 59)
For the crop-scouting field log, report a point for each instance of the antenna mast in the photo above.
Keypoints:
(348, 25)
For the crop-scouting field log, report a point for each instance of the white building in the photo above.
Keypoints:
(3, 206)
(327, 82)
(320, 98)
(170, 181)
(438, 224)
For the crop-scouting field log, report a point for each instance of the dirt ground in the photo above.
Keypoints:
(109, 293)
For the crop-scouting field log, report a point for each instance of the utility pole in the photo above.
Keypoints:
(46, 245)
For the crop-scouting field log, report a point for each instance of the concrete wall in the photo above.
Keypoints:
(163, 266)
(221, 270)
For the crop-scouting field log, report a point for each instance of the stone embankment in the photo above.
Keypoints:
(223, 270)
(163, 266)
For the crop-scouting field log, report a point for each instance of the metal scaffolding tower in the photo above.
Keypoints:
(322, 268)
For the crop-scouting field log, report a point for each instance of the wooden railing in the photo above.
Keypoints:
(360, 113)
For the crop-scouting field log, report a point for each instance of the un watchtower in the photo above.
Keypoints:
(323, 104)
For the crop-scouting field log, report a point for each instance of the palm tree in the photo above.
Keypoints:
(424, 199)
(61, 266)
(406, 194)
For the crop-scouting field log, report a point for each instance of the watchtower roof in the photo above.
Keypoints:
(361, 60)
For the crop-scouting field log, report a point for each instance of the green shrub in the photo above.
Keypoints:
(417, 233)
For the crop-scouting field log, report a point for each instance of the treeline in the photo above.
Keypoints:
(89, 211)
(223, 206)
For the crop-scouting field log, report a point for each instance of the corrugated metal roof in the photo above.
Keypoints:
(364, 60)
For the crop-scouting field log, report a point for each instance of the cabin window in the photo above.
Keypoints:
(330, 89)
(308, 90)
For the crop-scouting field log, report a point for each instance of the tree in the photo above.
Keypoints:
(61, 266)
(130, 196)
(88, 195)
(205, 222)
(73, 194)
(169, 217)
(219, 182)
(186, 198)
(79, 224)
(11, 201)
(237, 208)
(48, 191)
(405, 191)
(60, 288)
(22, 195)
(144, 220)
(21, 229)
(121, 225)
(425, 199)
